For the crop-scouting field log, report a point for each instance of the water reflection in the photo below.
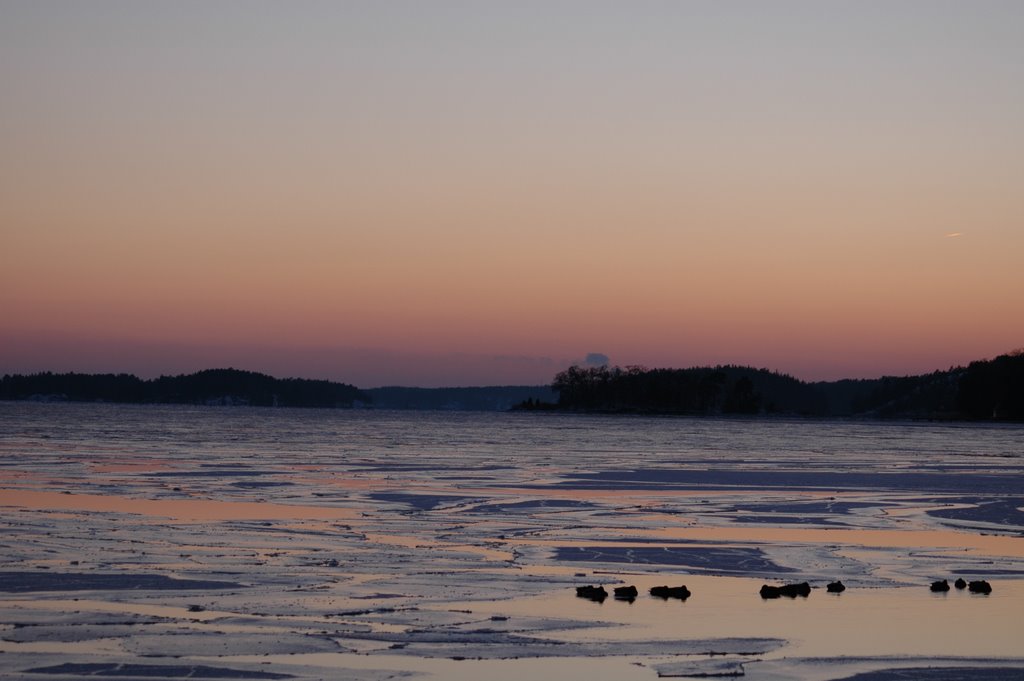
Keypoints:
(374, 542)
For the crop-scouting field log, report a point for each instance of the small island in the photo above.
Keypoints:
(985, 390)
(227, 387)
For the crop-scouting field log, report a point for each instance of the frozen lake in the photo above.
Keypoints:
(146, 542)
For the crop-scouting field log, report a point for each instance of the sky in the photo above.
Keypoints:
(480, 193)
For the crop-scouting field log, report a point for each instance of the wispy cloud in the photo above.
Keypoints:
(953, 234)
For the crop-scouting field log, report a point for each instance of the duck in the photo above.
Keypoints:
(626, 593)
(790, 590)
(667, 592)
(979, 587)
(594, 593)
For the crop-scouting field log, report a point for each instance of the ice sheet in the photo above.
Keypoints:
(313, 544)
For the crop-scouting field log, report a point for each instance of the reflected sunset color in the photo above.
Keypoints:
(363, 544)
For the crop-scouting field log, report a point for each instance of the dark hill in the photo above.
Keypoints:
(212, 386)
(994, 389)
(985, 390)
(699, 390)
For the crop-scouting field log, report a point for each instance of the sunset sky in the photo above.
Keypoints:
(472, 193)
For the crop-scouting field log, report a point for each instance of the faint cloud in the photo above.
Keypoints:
(954, 234)
(596, 359)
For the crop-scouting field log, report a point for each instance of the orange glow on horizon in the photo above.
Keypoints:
(818, 211)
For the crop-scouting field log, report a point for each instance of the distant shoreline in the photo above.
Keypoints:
(985, 391)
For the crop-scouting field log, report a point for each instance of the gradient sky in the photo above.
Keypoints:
(442, 193)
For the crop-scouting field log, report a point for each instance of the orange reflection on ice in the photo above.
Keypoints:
(190, 510)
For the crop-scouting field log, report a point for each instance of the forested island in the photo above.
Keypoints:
(984, 390)
(210, 387)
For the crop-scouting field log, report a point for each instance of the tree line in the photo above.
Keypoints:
(212, 386)
(984, 390)
(700, 390)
